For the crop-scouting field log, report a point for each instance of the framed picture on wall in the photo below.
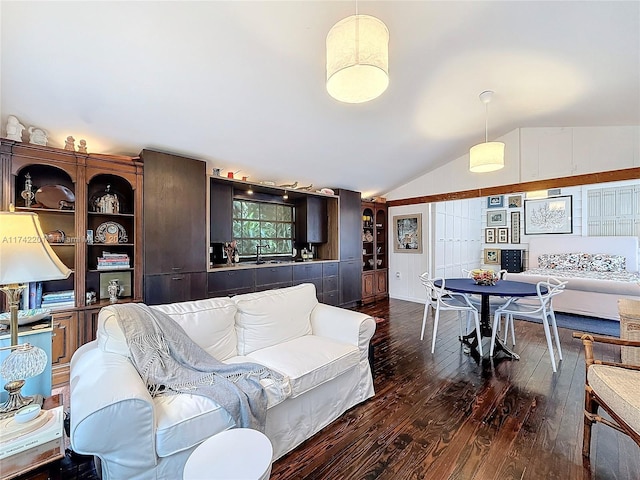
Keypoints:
(503, 235)
(491, 256)
(489, 235)
(548, 215)
(497, 218)
(407, 233)
(514, 201)
(515, 227)
(495, 201)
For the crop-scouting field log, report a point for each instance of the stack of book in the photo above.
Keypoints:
(113, 261)
(63, 299)
(31, 296)
(18, 437)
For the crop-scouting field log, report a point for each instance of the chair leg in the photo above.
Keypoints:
(547, 333)
(555, 333)
(478, 333)
(590, 410)
(435, 329)
(494, 332)
(513, 333)
(424, 319)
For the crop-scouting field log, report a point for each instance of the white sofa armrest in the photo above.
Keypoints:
(110, 401)
(343, 325)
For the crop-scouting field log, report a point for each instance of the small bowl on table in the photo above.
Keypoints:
(485, 277)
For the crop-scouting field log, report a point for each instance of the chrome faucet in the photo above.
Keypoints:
(258, 251)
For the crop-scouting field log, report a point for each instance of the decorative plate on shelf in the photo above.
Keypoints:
(56, 196)
(110, 232)
(25, 316)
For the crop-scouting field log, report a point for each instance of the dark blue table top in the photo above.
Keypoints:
(506, 288)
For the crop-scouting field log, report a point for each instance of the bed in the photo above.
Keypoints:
(599, 271)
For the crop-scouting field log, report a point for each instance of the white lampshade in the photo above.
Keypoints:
(486, 157)
(357, 59)
(25, 255)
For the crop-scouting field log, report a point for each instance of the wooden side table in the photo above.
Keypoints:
(42, 460)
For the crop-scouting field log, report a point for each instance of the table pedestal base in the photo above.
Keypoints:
(471, 341)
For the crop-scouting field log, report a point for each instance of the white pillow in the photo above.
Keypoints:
(268, 318)
(210, 323)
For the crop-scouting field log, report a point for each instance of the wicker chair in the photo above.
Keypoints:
(612, 386)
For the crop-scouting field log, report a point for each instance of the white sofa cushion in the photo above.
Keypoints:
(275, 393)
(273, 316)
(185, 420)
(210, 323)
(308, 361)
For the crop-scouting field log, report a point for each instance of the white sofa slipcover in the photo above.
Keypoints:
(323, 350)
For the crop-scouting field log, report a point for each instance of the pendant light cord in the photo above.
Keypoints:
(486, 122)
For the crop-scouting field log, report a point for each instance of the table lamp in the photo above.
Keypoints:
(25, 256)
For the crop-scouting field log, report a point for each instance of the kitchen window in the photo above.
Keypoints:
(260, 223)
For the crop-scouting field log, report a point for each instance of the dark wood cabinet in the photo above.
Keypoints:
(174, 287)
(88, 178)
(350, 222)
(374, 251)
(231, 282)
(350, 274)
(350, 281)
(220, 211)
(311, 220)
(174, 228)
(174, 214)
(273, 277)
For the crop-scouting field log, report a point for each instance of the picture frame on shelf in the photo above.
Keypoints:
(497, 218)
(491, 256)
(514, 201)
(503, 235)
(495, 201)
(515, 227)
(489, 235)
(552, 215)
(407, 233)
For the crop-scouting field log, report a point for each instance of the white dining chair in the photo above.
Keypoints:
(540, 309)
(441, 300)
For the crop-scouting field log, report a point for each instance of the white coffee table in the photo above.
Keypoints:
(236, 454)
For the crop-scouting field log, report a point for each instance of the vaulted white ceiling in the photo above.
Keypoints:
(242, 84)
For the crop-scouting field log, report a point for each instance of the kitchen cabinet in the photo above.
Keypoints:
(231, 282)
(350, 271)
(175, 287)
(174, 228)
(274, 277)
(220, 212)
(311, 220)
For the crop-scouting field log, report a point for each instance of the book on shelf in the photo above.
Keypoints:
(58, 296)
(18, 437)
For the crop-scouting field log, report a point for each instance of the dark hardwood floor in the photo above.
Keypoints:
(452, 416)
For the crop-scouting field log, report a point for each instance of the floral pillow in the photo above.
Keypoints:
(560, 261)
(592, 262)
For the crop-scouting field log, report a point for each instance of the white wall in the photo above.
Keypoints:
(404, 268)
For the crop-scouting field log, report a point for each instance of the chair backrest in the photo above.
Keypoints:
(554, 287)
(434, 294)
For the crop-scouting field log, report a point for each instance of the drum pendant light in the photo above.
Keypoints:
(357, 59)
(487, 156)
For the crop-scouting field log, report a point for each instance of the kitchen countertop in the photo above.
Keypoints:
(267, 263)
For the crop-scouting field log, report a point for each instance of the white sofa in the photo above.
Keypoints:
(323, 350)
(590, 293)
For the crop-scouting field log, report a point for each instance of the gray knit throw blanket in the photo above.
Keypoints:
(170, 362)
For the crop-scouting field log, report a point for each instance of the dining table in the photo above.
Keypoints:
(502, 288)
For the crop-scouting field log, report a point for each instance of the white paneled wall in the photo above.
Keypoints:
(457, 233)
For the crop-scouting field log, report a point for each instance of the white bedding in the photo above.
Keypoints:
(587, 293)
